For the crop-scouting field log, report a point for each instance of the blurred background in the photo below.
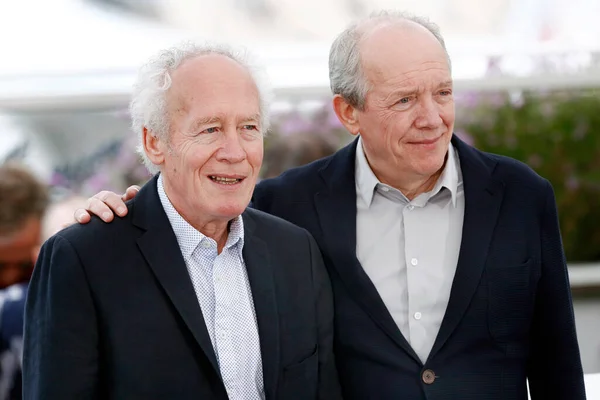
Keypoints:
(527, 83)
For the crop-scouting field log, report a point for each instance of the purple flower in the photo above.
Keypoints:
(572, 183)
(534, 161)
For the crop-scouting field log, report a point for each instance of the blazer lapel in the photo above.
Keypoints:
(161, 250)
(336, 208)
(260, 276)
(483, 199)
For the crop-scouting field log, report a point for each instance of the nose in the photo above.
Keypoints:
(232, 149)
(428, 114)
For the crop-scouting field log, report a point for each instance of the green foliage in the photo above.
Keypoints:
(558, 135)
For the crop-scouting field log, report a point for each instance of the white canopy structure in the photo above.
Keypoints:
(68, 54)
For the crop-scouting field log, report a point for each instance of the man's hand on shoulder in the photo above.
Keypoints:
(105, 204)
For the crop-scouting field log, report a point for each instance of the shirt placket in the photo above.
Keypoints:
(414, 266)
(224, 282)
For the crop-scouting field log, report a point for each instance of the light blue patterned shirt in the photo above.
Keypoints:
(223, 290)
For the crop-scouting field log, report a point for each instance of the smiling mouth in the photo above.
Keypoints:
(225, 181)
(427, 141)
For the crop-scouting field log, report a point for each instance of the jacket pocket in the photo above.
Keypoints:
(300, 379)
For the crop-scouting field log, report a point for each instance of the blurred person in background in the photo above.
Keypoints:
(448, 271)
(285, 152)
(60, 215)
(194, 295)
(23, 201)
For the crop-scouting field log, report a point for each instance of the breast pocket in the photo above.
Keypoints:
(510, 301)
(300, 379)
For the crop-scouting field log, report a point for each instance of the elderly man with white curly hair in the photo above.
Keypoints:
(192, 295)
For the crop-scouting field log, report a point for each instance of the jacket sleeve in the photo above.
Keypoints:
(554, 368)
(60, 359)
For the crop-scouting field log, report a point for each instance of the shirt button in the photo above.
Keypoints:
(428, 377)
(385, 189)
(410, 207)
(206, 244)
(414, 261)
(417, 315)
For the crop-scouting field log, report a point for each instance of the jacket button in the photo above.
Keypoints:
(428, 377)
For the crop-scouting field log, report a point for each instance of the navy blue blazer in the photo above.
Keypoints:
(509, 316)
(112, 313)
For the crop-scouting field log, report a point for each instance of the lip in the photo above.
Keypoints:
(227, 187)
(227, 176)
(427, 141)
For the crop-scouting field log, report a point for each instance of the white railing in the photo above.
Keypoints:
(585, 275)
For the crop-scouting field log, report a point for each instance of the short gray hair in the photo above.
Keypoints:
(345, 70)
(148, 106)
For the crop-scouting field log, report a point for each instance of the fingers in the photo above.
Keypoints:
(130, 193)
(105, 204)
(82, 216)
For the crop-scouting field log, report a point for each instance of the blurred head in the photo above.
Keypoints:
(59, 215)
(23, 201)
(391, 78)
(200, 112)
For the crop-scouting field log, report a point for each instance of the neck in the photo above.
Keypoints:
(216, 229)
(412, 188)
(411, 185)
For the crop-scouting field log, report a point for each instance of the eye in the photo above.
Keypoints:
(446, 92)
(404, 100)
(250, 127)
(213, 129)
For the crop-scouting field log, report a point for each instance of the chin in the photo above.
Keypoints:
(230, 211)
(433, 165)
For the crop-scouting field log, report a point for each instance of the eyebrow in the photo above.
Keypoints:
(253, 117)
(203, 121)
(408, 92)
(446, 84)
(212, 120)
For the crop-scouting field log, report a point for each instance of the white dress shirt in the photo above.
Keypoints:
(409, 249)
(223, 290)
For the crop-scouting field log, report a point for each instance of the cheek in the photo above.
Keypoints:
(255, 153)
(378, 126)
(193, 157)
(447, 114)
(395, 127)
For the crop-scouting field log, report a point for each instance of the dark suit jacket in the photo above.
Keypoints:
(112, 313)
(510, 314)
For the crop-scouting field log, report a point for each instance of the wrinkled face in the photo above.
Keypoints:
(409, 115)
(211, 163)
(18, 253)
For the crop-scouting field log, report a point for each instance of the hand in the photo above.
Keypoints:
(105, 204)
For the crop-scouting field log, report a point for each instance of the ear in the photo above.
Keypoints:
(347, 114)
(153, 146)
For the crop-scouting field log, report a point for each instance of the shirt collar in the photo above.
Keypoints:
(366, 181)
(451, 177)
(189, 237)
